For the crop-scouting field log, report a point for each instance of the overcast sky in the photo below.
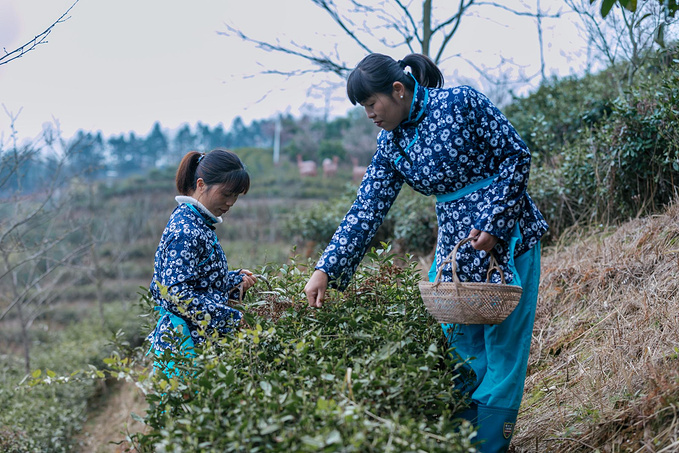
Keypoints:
(121, 65)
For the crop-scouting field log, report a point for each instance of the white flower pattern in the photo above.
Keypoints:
(201, 275)
(452, 138)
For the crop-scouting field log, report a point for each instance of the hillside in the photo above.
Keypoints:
(604, 369)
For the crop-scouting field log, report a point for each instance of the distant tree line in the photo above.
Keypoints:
(94, 157)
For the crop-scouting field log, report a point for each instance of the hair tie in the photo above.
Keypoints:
(201, 157)
(402, 64)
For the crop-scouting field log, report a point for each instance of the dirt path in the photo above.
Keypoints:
(111, 420)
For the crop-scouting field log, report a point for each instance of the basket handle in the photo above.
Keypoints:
(240, 287)
(492, 266)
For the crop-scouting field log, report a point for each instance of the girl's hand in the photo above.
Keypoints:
(315, 288)
(249, 279)
(482, 240)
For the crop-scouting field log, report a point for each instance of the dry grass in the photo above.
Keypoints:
(604, 368)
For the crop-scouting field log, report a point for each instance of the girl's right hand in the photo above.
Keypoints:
(482, 240)
(315, 288)
(249, 279)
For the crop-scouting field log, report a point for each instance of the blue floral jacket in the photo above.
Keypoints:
(453, 138)
(191, 263)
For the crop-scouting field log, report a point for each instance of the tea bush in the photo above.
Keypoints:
(369, 372)
(556, 113)
(46, 418)
(601, 153)
(627, 166)
(410, 224)
(640, 146)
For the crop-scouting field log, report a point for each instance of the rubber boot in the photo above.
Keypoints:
(495, 428)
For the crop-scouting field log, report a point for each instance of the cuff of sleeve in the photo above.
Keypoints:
(497, 226)
(234, 291)
(340, 282)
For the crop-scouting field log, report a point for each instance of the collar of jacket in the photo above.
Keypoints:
(415, 117)
(417, 107)
(210, 219)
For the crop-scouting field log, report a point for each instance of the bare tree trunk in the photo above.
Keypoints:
(538, 18)
(26, 346)
(426, 26)
(97, 274)
(98, 279)
(33, 238)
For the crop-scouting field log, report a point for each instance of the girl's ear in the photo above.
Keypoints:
(399, 90)
(200, 185)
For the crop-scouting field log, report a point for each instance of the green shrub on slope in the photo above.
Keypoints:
(367, 372)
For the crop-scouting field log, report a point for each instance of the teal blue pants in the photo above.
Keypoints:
(497, 356)
(185, 348)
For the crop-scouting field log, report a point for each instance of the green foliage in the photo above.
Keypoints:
(627, 166)
(670, 6)
(642, 146)
(317, 223)
(410, 223)
(555, 114)
(415, 224)
(368, 372)
(328, 149)
(601, 157)
(158, 180)
(45, 418)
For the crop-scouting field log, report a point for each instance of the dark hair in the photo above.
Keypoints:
(218, 167)
(377, 73)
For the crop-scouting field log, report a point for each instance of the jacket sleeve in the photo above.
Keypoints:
(377, 192)
(510, 158)
(233, 279)
(180, 263)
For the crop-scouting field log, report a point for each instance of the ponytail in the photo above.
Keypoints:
(186, 173)
(423, 69)
(377, 73)
(218, 167)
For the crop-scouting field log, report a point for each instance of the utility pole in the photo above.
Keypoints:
(277, 141)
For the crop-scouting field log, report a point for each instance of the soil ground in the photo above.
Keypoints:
(110, 422)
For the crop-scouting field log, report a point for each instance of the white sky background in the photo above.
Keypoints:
(121, 65)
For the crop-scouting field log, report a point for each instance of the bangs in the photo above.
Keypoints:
(375, 74)
(358, 87)
(237, 181)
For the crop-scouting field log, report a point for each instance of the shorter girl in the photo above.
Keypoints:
(190, 262)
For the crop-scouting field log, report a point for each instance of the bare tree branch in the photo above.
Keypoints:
(47, 198)
(408, 30)
(35, 42)
(323, 62)
(393, 24)
(556, 15)
(457, 18)
(331, 9)
(625, 34)
(56, 264)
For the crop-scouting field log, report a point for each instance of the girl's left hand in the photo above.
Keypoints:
(482, 240)
(249, 279)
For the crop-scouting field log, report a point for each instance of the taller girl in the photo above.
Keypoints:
(454, 144)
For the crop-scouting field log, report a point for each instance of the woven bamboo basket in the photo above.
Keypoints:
(459, 302)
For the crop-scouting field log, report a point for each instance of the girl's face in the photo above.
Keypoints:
(387, 111)
(216, 198)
